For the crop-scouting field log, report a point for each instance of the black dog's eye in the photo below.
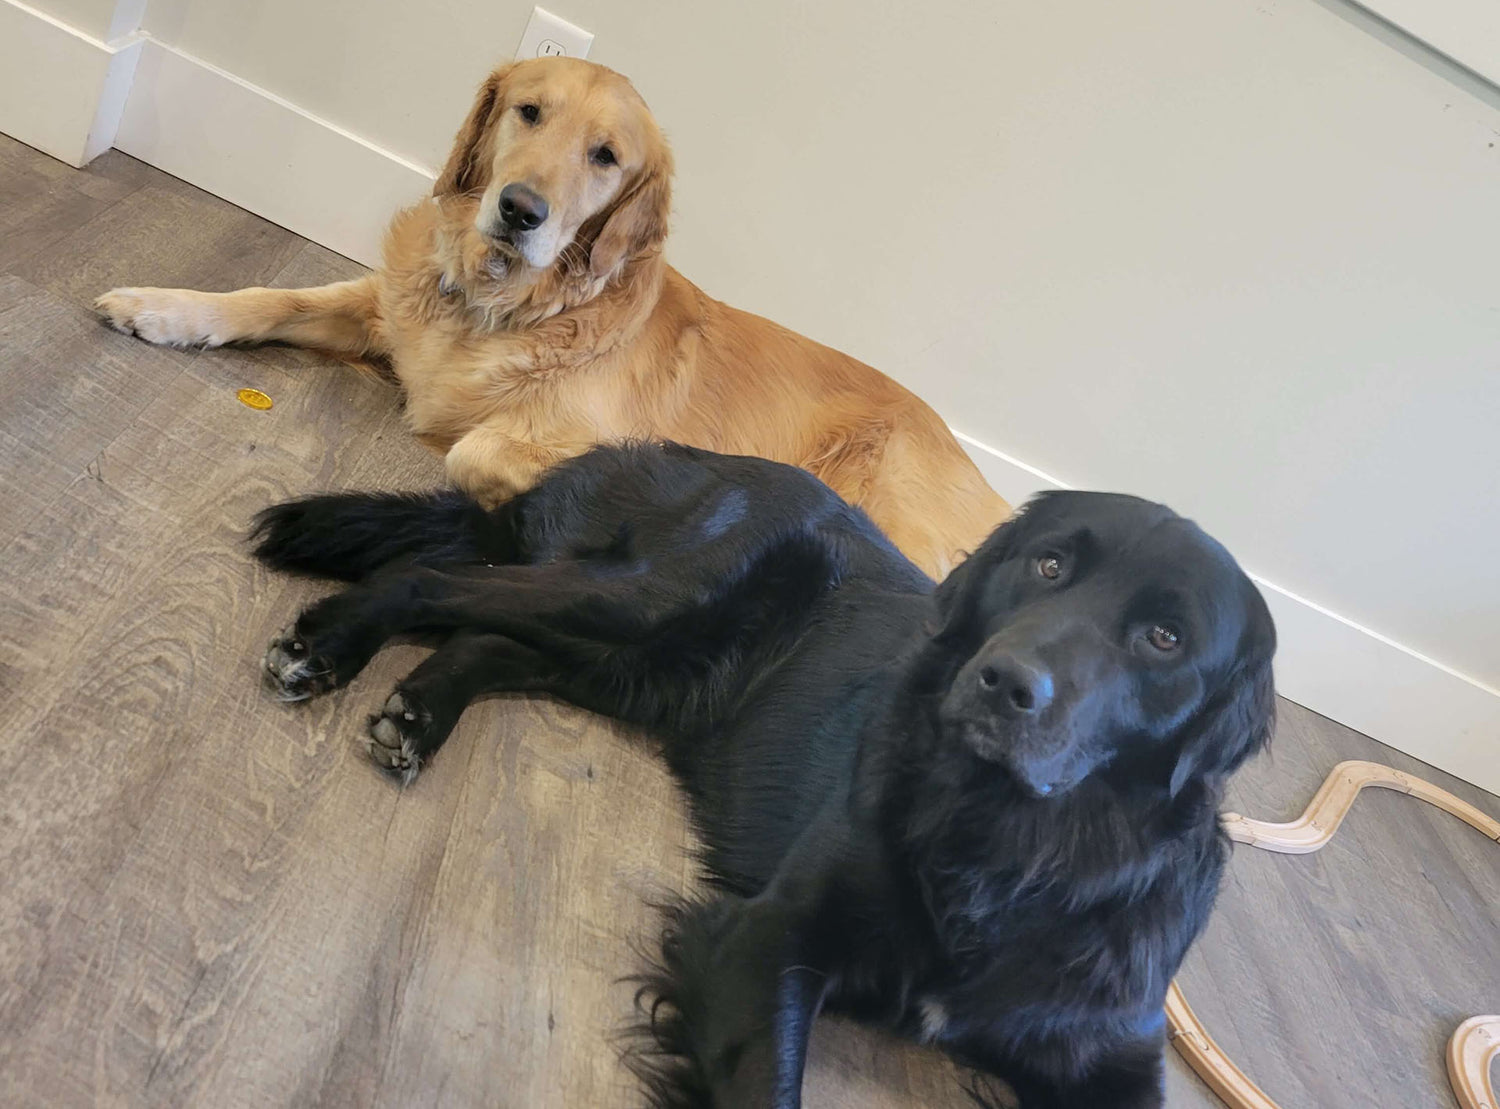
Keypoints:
(603, 156)
(1049, 566)
(1164, 638)
(530, 112)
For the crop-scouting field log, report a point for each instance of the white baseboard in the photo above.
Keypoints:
(251, 147)
(1342, 670)
(1010, 477)
(1376, 686)
(61, 90)
(310, 175)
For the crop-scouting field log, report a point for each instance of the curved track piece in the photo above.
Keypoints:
(1473, 1046)
(1470, 1052)
(1326, 811)
(1198, 1049)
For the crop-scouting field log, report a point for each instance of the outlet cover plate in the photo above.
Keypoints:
(548, 35)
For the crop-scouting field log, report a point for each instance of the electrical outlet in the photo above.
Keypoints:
(548, 36)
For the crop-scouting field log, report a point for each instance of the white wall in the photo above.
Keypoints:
(101, 19)
(92, 17)
(1238, 256)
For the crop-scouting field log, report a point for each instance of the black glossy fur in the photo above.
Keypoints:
(983, 815)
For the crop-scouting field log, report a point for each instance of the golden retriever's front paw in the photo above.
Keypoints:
(166, 317)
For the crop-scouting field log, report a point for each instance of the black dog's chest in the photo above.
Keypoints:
(1026, 966)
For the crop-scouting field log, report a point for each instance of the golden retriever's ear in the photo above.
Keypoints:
(638, 223)
(465, 167)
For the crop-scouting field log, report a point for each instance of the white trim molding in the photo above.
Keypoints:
(255, 149)
(1341, 669)
(61, 90)
(1467, 31)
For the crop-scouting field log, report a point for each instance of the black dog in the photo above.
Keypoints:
(982, 815)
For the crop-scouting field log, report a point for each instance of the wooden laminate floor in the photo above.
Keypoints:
(210, 899)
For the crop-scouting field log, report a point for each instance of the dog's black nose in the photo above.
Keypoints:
(521, 208)
(1014, 687)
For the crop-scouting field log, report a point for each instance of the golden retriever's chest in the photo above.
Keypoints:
(561, 382)
(457, 378)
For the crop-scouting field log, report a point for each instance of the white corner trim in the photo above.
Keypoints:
(114, 91)
(255, 149)
(127, 18)
(1342, 669)
(61, 90)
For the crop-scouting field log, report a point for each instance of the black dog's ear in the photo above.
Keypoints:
(1235, 724)
(958, 595)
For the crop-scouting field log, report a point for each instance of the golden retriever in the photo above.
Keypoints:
(528, 313)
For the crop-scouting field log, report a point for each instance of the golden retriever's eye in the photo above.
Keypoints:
(1164, 638)
(603, 156)
(530, 112)
(1049, 566)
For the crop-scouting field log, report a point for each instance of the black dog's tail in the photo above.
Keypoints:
(351, 535)
(658, 1047)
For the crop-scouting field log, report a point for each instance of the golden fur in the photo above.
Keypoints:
(519, 348)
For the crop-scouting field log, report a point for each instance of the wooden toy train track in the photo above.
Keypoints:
(1475, 1044)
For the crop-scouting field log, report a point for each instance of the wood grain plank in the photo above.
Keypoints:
(160, 235)
(70, 388)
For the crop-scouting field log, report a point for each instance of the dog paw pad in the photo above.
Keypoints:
(390, 743)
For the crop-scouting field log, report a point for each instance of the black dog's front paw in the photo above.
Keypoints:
(292, 671)
(396, 736)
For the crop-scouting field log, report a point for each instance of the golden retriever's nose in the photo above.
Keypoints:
(521, 209)
(1014, 687)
